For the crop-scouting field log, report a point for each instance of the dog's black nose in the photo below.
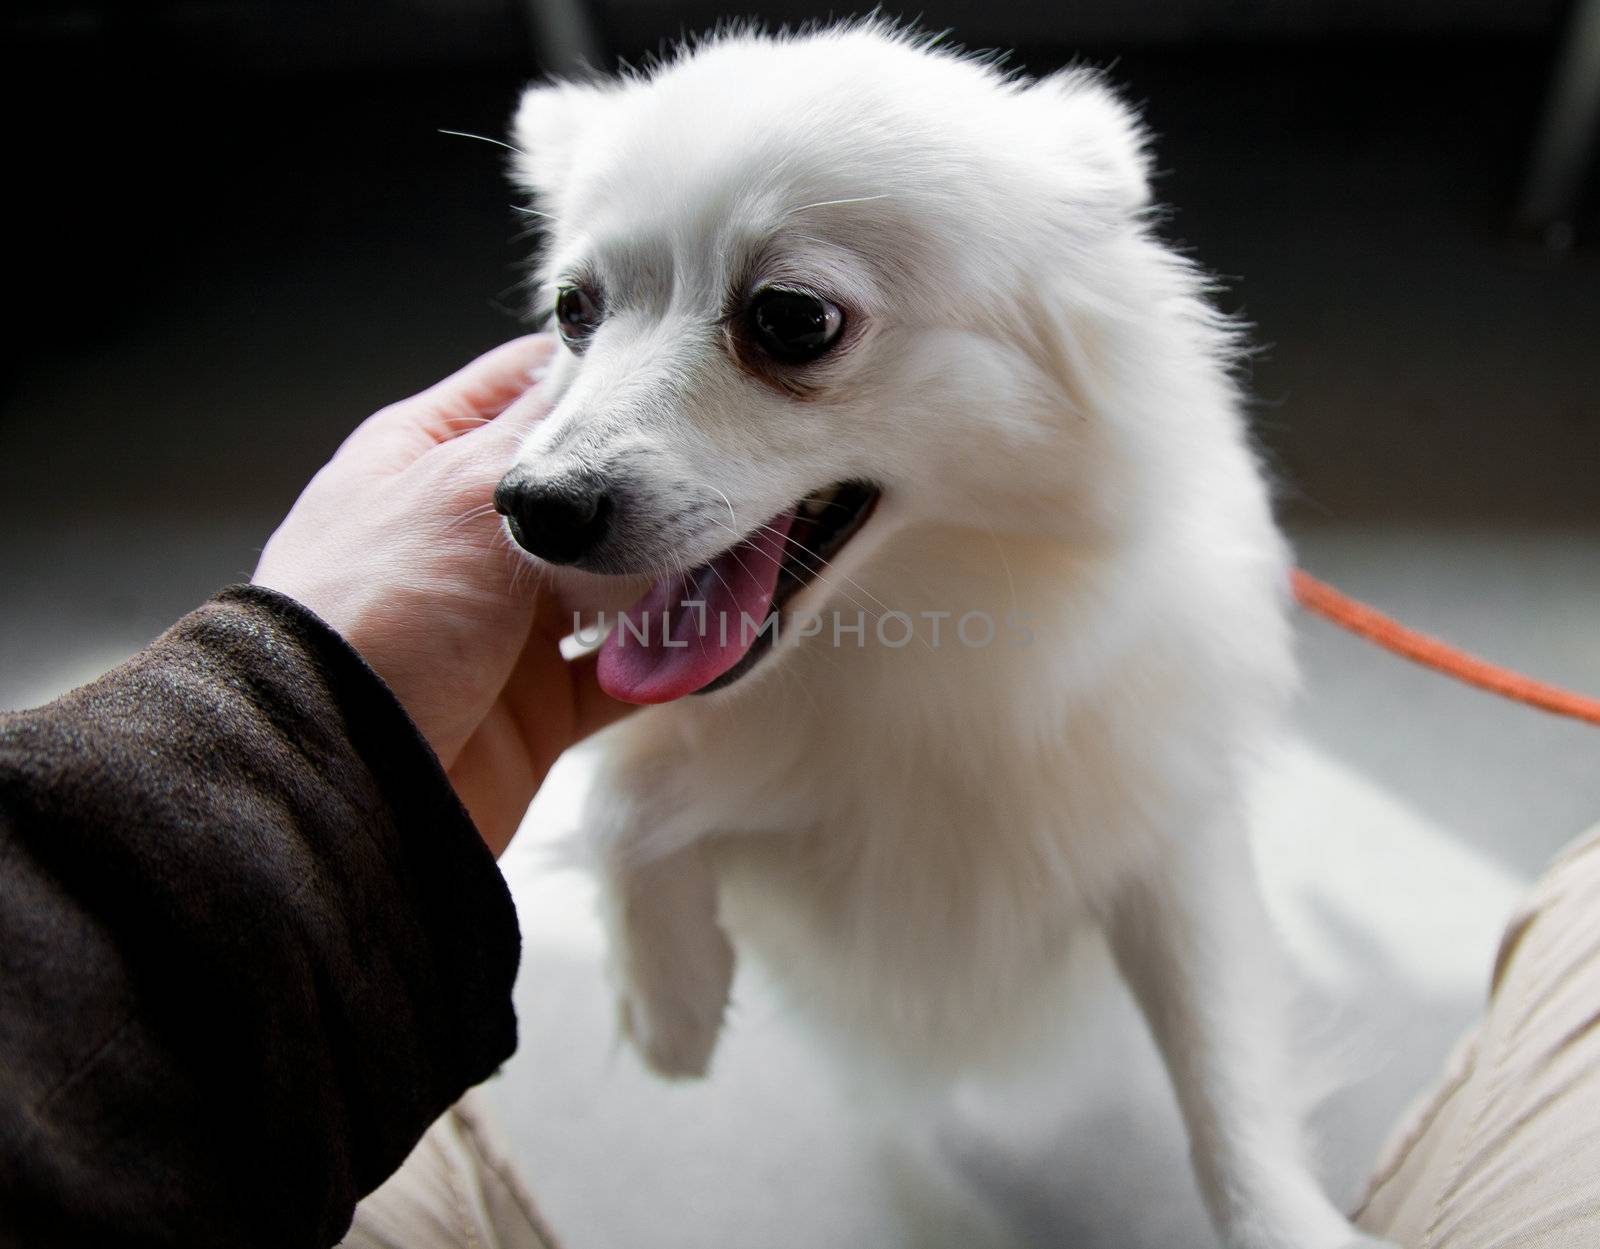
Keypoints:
(560, 520)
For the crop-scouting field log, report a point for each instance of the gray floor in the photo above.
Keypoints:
(1429, 399)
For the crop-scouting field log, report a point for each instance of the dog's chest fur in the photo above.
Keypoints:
(909, 840)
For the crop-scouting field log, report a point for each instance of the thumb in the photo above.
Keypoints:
(555, 615)
(592, 707)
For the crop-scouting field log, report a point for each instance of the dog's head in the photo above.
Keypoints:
(813, 290)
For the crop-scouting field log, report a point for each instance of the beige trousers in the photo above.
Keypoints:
(457, 1190)
(1503, 1154)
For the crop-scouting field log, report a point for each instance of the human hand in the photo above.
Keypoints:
(396, 544)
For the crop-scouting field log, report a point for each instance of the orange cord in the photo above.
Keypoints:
(1373, 625)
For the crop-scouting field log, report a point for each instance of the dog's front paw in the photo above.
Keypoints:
(673, 1014)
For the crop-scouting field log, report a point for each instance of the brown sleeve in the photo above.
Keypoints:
(250, 942)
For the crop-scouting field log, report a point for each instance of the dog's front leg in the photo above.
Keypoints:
(1193, 942)
(670, 959)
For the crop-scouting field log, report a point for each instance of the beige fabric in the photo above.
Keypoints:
(455, 1191)
(1505, 1153)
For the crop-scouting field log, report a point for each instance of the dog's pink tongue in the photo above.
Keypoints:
(696, 625)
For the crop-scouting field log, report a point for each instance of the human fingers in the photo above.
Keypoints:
(484, 389)
(469, 398)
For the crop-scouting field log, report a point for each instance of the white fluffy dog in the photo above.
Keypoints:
(874, 337)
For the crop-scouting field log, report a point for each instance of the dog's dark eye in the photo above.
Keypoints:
(577, 315)
(793, 327)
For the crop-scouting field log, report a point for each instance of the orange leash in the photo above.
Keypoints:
(1373, 625)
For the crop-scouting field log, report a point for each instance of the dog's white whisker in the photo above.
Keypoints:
(814, 562)
(470, 516)
(823, 567)
(483, 138)
(1000, 553)
(820, 565)
(804, 552)
(831, 203)
(733, 520)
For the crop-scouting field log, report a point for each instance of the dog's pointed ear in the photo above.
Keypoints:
(1100, 147)
(552, 122)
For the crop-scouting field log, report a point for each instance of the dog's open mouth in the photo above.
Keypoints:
(703, 629)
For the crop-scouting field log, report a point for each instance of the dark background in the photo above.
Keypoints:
(264, 184)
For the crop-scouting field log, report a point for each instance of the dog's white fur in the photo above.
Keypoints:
(911, 837)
